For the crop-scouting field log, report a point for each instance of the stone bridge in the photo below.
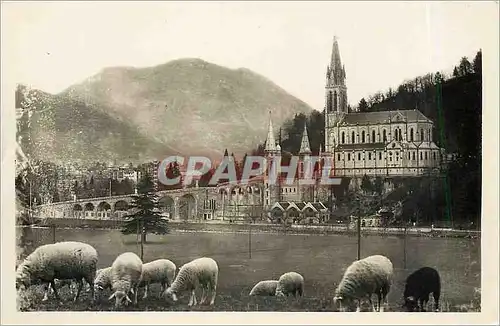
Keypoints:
(177, 204)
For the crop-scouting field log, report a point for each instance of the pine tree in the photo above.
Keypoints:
(363, 105)
(477, 64)
(146, 216)
(465, 67)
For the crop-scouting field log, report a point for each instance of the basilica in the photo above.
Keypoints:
(382, 143)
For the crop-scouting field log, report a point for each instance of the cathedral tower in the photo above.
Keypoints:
(335, 96)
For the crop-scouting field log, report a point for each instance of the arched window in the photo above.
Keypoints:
(352, 138)
(434, 156)
(421, 134)
(329, 102)
(359, 156)
(348, 156)
(338, 157)
(343, 137)
(425, 155)
(413, 156)
(384, 137)
(363, 136)
(335, 101)
(373, 136)
(369, 155)
(411, 134)
(400, 135)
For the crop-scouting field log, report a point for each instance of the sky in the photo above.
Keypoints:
(53, 45)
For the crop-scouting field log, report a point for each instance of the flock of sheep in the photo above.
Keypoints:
(59, 264)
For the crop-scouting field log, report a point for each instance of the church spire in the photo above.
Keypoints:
(270, 141)
(336, 69)
(305, 148)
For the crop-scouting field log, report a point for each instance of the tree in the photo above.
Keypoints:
(477, 63)
(363, 105)
(366, 184)
(378, 185)
(146, 216)
(455, 72)
(465, 67)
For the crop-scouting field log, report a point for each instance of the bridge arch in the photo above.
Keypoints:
(187, 207)
(103, 210)
(167, 206)
(121, 208)
(89, 210)
(77, 211)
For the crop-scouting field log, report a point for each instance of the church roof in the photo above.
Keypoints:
(384, 117)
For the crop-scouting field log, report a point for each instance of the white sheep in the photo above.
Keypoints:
(362, 279)
(290, 283)
(62, 260)
(158, 271)
(126, 274)
(264, 288)
(201, 272)
(102, 280)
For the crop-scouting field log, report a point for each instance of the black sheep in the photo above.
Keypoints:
(419, 285)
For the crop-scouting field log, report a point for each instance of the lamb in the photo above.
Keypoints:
(62, 260)
(202, 272)
(158, 271)
(362, 279)
(102, 280)
(419, 286)
(264, 288)
(126, 275)
(290, 283)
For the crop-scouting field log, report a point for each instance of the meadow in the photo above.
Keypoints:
(321, 259)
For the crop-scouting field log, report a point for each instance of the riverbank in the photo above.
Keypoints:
(225, 227)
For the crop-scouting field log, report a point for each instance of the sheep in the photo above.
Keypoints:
(362, 279)
(102, 280)
(290, 283)
(202, 272)
(419, 286)
(158, 271)
(62, 260)
(126, 275)
(61, 283)
(264, 288)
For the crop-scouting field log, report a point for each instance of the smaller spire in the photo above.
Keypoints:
(305, 148)
(270, 142)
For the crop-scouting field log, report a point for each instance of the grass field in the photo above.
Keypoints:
(320, 259)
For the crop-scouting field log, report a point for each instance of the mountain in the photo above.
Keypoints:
(185, 107)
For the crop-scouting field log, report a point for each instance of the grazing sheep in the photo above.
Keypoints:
(362, 279)
(62, 260)
(126, 274)
(102, 280)
(290, 283)
(419, 285)
(201, 272)
(158, 271)
(264, 288)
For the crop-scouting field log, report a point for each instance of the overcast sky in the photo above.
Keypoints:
(381, 44)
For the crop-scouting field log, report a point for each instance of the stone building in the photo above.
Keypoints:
(383, 143)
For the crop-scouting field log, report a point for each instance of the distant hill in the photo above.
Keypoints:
(186, 107)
